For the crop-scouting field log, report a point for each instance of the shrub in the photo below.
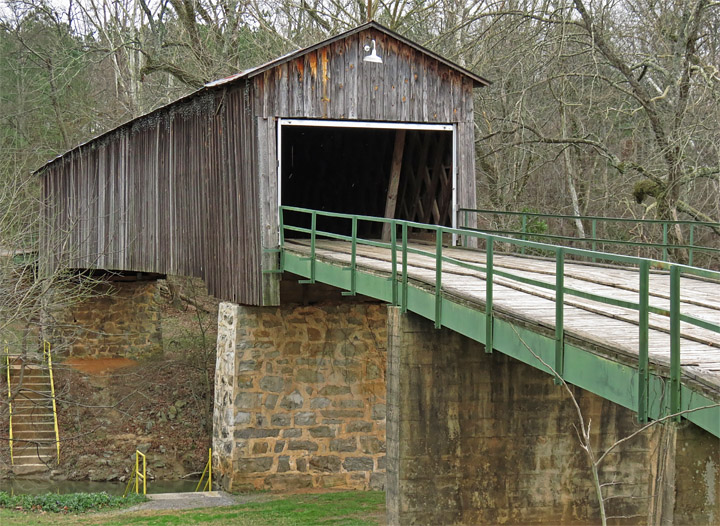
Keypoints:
(68, 503)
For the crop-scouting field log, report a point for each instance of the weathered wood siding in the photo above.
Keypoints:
(192, 188)
(173, 192)
(333, 82)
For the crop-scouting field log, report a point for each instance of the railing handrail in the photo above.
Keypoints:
(691, 248)
(136, 475)
(10, 412)
(207, 471)
(597, 218)
(642, 305)
(47, 355)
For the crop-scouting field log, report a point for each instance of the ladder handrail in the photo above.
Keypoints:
(7, 363)
(136, 476)
(48, 357)
(208, 471)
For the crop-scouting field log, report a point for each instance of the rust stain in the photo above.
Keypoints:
(324, 80)
(300, 67)
(312, 60)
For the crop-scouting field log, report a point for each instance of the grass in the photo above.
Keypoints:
(349, 508)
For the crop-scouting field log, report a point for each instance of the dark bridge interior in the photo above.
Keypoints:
(348, 170)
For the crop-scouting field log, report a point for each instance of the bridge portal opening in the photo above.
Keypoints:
(349, 167)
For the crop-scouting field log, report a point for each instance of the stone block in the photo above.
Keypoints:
(259, 448)
(280, 420)
(294, 400)
(319, 403)
(334, 480)
(343, 444)
(248, 400)
(309, 376)
(242, 417)
(283, 464)
(371, 445)
(256, 433)
(349, 404)
(343, 413)
(379, 412)
(279, 446)
(300, 445)
(247, 365)
(288, 482)
(305, 419)
(334, 390)
(322, 432)
(291, 433)
(271, 401)
(325, 463)
(254, 465)
(377, 481)
(273, 384)
(358, 464)
(359, 426)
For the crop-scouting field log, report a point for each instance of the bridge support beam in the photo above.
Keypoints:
(477, 438)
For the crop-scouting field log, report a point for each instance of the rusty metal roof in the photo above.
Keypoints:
(478, 81)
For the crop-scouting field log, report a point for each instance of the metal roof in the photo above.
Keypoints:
(478, 81)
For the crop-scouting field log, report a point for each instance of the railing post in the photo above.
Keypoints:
(313, 236)
(559, 312)
(353, 259)
(489, 272)
(675, 371)
(465, 225)
(10, 413)
(643, 365)
(665, 241)
(47, 354)
(438, 277)
(137, 472)
(593, 234)
(209, 469)
(692, 244)
(404, 268)
(281, 218)
(523, 231)
(393, 259)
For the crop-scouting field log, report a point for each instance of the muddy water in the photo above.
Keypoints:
(36, 487)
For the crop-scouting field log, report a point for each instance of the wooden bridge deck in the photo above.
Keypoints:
(604, 329)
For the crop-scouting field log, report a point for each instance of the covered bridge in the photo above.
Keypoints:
(193, 188)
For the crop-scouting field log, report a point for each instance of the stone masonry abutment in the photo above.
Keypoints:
(477, 438)
(119, 318)
(300, 396)
(472, 437)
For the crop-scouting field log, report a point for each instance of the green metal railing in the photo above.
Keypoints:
(399, 284)
(525, 222)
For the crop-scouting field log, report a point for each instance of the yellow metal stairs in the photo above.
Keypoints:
(34, 438)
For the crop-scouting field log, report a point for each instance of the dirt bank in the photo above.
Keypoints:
(162, 406)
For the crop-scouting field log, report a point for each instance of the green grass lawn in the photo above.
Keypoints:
(348, 508)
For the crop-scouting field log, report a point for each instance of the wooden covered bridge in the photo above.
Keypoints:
(345, 164)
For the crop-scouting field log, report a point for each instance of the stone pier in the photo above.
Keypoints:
(121, 318)
(477, 438)
(472, 438)
(300, 396)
